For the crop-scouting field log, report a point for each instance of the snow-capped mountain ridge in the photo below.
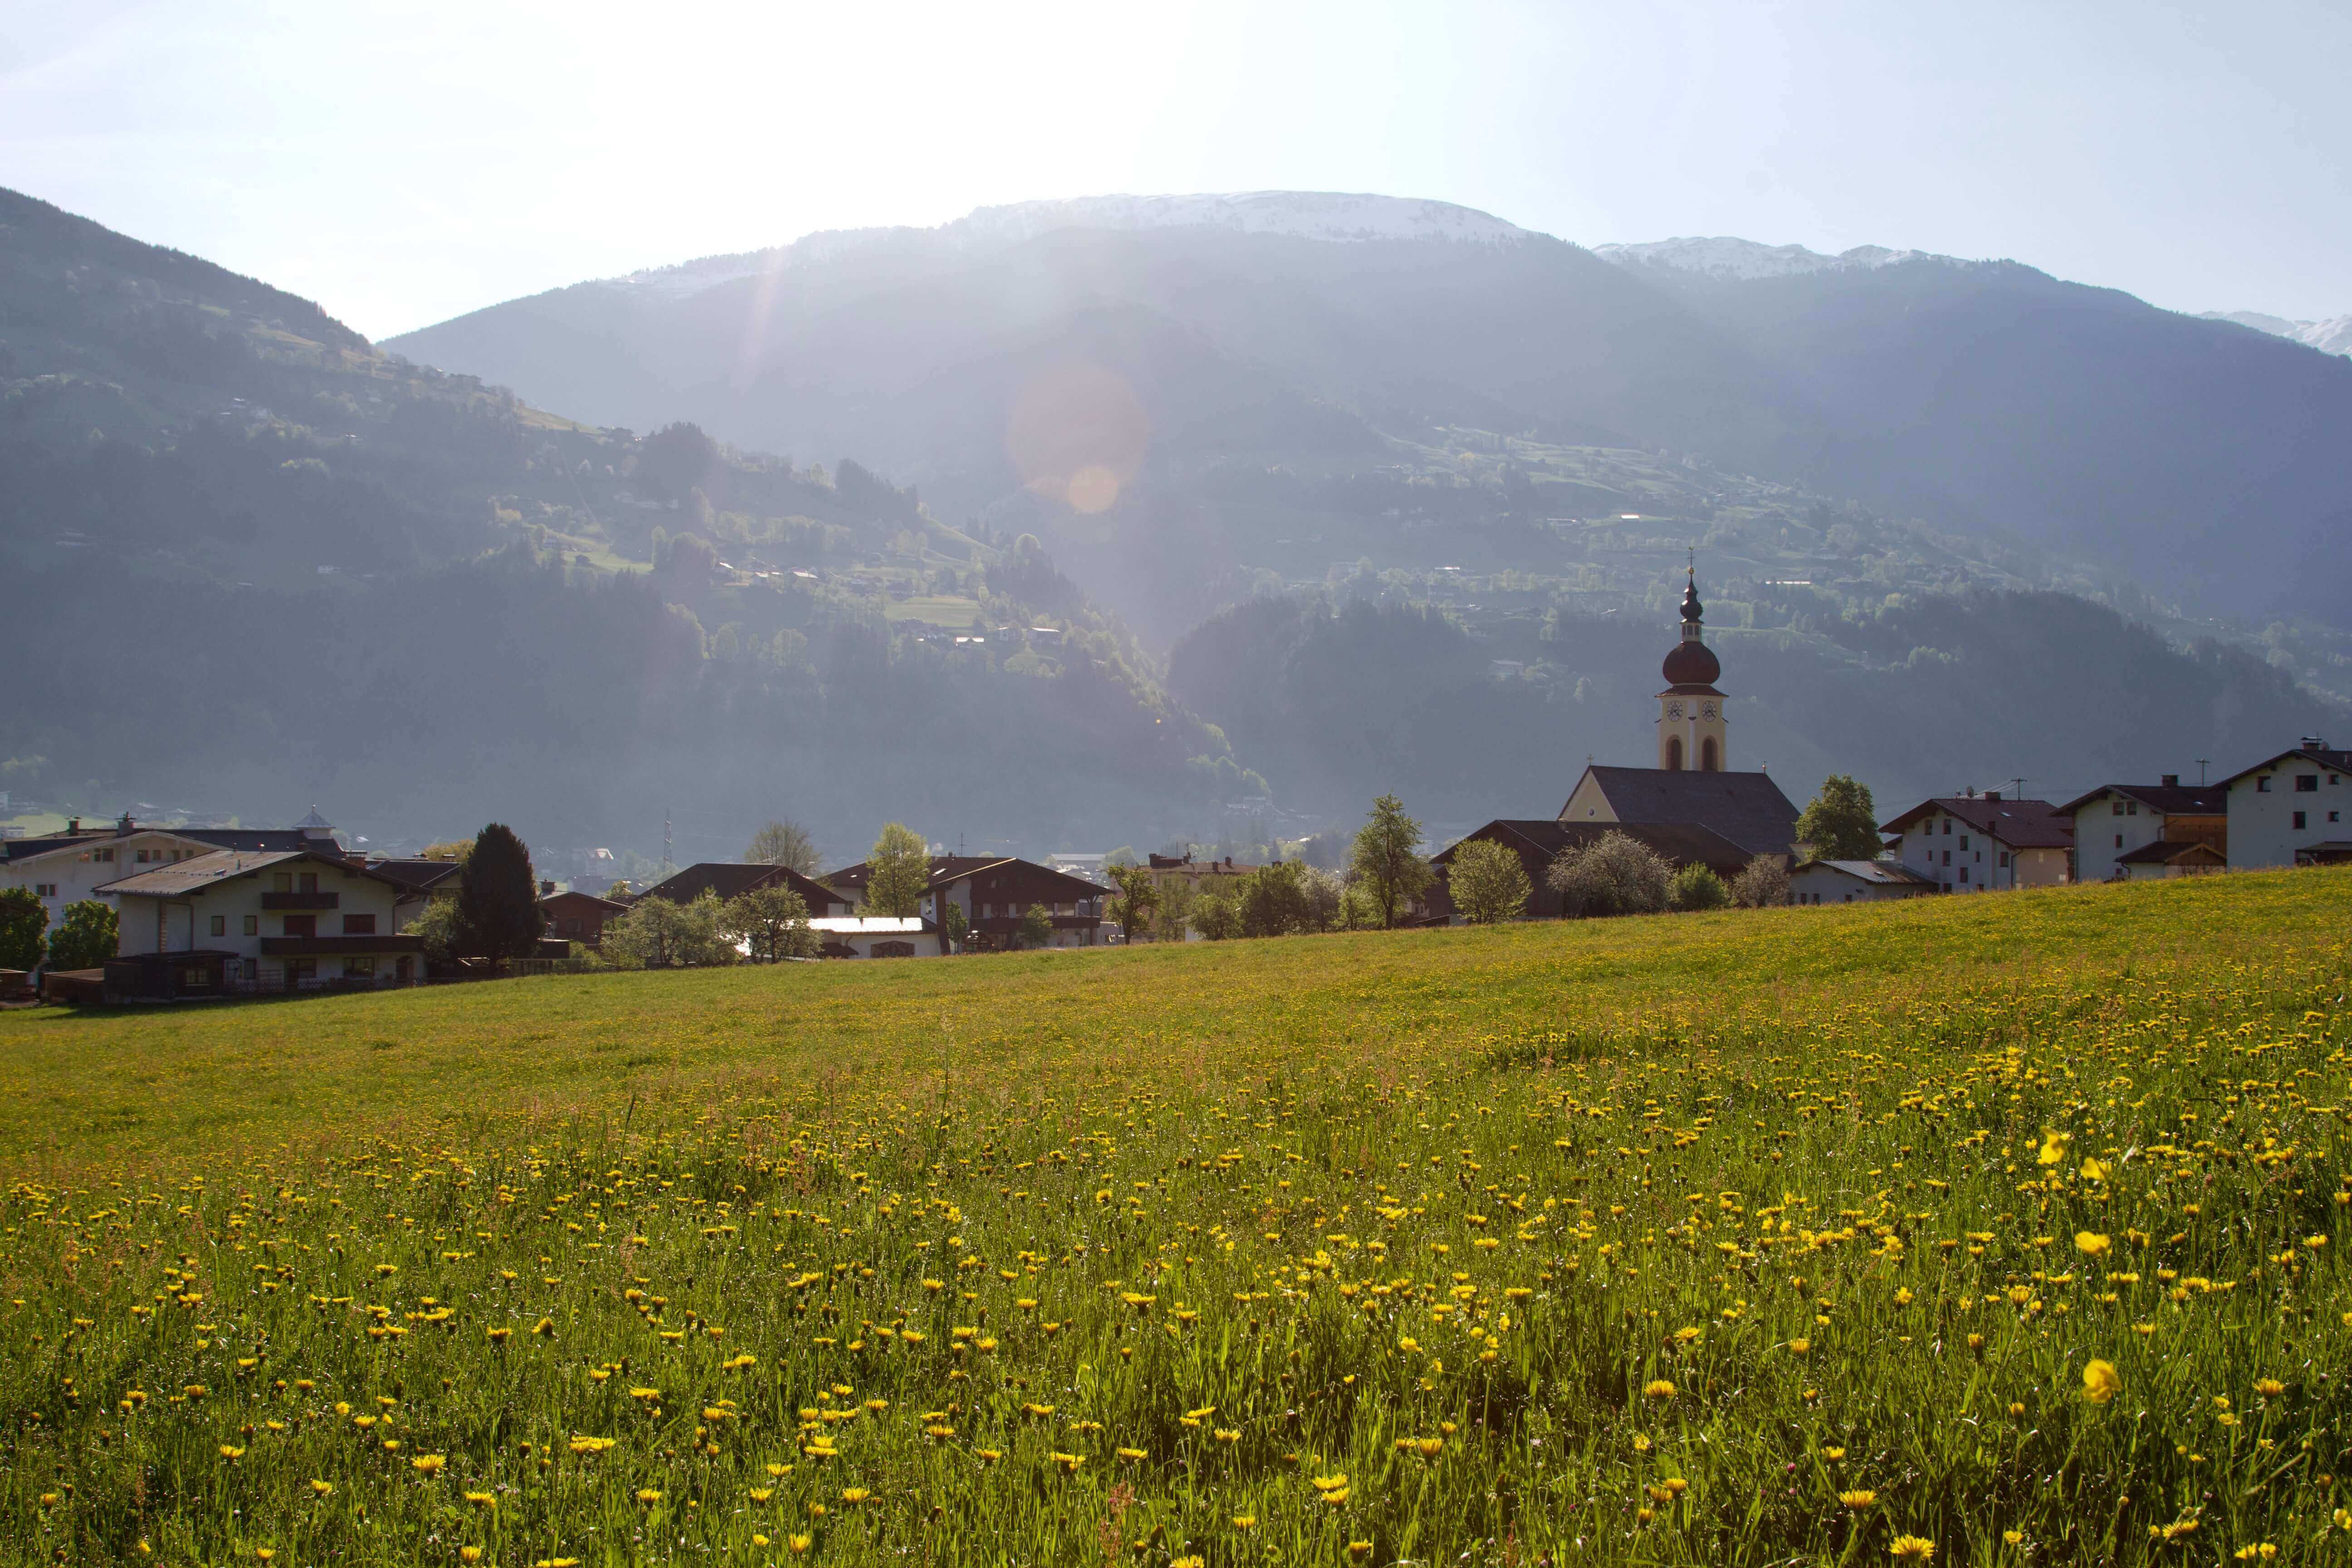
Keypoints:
(1727, 257)
(2329, 337)
(1330, 218)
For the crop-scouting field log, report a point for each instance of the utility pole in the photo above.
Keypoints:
(2200, 773)
(667, 867)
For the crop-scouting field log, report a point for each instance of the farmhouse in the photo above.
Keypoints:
(1855, 882)
(2128, 831)
(995, 892)
(2289, 810)
(62, 868)
(573, 916)
(732, 878)
(1979, 843)
(878, 936)
(295, 920)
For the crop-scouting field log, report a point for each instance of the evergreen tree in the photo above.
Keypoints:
(899, 872)
(1840, 822)
(498, 897)
(1386, 862)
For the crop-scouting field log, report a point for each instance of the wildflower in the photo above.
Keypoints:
(1244, 1522)
(1132, 1455)
(801, 1543)
(228, 1452)
(1834, 1454)
(1859, 1498)
(2091, 1242)
(649, 1496)
(2269, 1387)
(323, 1488)
(853, 1496)
(481, 1500)
(1911, 1549)
(1800, 1347)
(428, 1464)
(2101, 1382)
(1659, 1389)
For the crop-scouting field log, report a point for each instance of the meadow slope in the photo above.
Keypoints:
(1998, 1229)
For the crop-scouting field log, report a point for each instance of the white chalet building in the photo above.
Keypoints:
(2293, 809)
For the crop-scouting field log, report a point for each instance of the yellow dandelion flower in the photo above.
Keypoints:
(1861, 1497)
(429, 1464)
(649, 1495)
(2101, 1382)
(1911, 1549)
(1244, 1522)
(2091, 1242)
(1660, 1389)
(1800, 1347)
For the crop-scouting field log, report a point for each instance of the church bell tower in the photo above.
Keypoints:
(1690, 710)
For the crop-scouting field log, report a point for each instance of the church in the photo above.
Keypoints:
(1693, 782)
(1692, 808)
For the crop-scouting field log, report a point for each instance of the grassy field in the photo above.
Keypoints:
(2004, 1229)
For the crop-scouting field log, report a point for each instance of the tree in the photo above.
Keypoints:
(1840, 822)
(1274, 901)
(1762, 883)
(498, 897)
(1488, 883)
(899, 872)
(1386, 862)
(785, 843)
(773, 921)
(86, 938)
(22, 920)
(659, 934)
(1697, 886)
(1326, 900)
(1613, 875)
(955, 925)
(438, 929)
(1137, 897)
(1037, 926)
(1178, 900)
(447, 849)
(1217, 916)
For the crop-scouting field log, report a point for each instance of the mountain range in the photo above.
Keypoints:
(1229, 514)
(1987, 398)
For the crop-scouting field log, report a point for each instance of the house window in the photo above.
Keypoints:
(220, 925)
(2119, 808)
(106, 857)
(2132, 809)
(1948, 857)
(1964, 873)
(359, 925)
(1964, 841)
(2119, 840)
(141, 857)
(2335, 816)
(301, 925)
(309, 883)
(281, 881)
(2298, 819)
(253, 925)
(45, 889)
(2004, 857)
(2306, 784)
(2262, 784)
(1947, 827)
(360, 968)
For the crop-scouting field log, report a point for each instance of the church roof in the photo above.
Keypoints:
(1541, 839)
(1747, 808)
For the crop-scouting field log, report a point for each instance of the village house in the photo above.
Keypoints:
(878, 936)
(573, 916)
(2137, 831)
(69, 868)
(1856, 882)
(1982, 843)
(228, 921)
(2290, 810)
(994, 893)
(422, 884)
(1200, 875)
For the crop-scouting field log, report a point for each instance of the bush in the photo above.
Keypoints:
(22, 920)
(1762, 883)
(86, 938)
(1610, 876)
(659, 934)
(1487, 882)
(1697, 886)
(1217, 916)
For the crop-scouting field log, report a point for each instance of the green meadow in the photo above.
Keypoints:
(2003, 1229)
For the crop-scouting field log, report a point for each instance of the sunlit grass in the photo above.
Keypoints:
(1725, 1238)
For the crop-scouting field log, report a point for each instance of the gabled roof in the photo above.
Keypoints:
(733, 879)
(1878, 873)
(1747, 808)
(574, 896)
(947, 869)
(2165, 800)
(2319, 756)
(251, 839)
(1542, 839)
(2173, 852)
(2020, 824)
(416, 875)
(202, 872)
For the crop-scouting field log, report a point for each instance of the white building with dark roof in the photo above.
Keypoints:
(2124, 832)
(1984, 843)
(2291, 810)
(1855, 882)
(234, 920)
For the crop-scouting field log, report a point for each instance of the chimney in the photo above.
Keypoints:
(546, 890)
(122, 828)
(73, 825)
(2314, 743)
(1992, 795)
(2172, 780)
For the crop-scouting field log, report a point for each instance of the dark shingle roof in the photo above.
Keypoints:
(1541, 839)
(2172, 851)
(2322, 757)
(2020, 824)
(416, 876)
(2170, 800)
(1881, 873)
(1747, 808)
(733, 879)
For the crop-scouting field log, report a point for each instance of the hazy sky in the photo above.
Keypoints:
(403, 163)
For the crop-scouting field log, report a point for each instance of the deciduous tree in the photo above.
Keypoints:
(784, 843)
(899, 872)
(1697, 886)
(1613, 875)
(1840, 822)
(1762, 883)
(23, 919)
(86, 938)
(1488, 883)
(1386, 862)
(1037, 926)
(773, 921)
(1137, 897)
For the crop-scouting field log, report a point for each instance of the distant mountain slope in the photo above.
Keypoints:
(1982, 397)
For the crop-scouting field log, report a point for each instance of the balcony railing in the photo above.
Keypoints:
(300, 900)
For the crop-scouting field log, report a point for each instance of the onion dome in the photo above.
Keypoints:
(1691, 663)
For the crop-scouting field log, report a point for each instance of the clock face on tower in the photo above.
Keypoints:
(1673, 709)
(1707, 711)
